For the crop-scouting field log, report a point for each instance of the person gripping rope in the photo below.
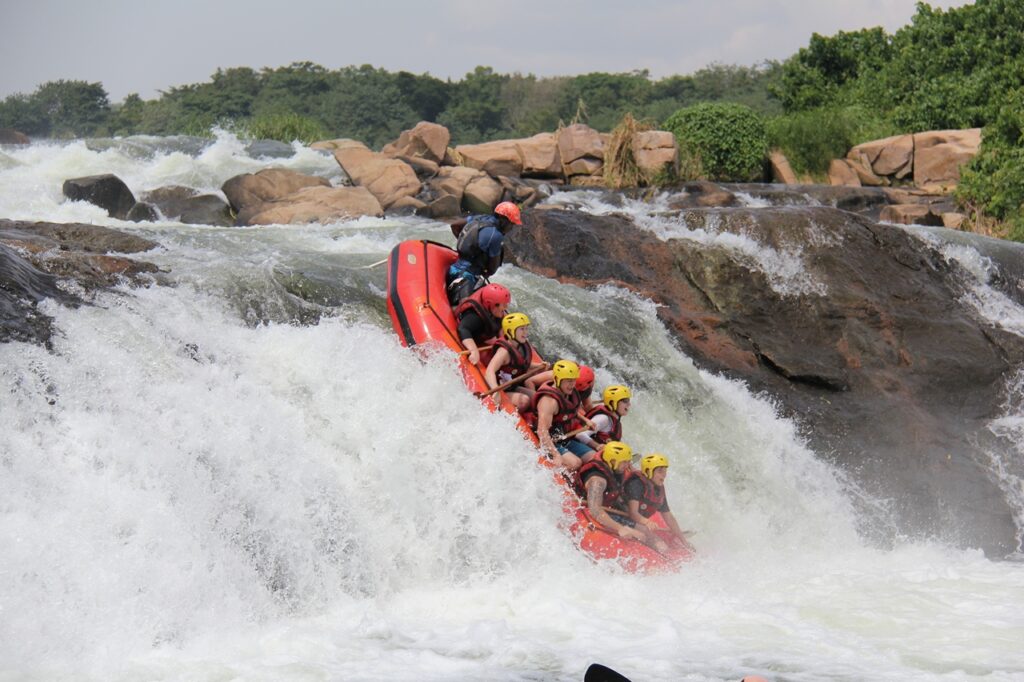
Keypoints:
(480, 318)
(513, 357)
(644, 495)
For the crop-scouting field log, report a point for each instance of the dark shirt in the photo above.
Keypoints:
(472, 327)
(634, 490)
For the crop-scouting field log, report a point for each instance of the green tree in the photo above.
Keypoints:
(425, 95)
(474, 112)
(365, 104)
(23, 113)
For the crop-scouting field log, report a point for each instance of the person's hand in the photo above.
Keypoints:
(661, 546)
(627, 533)
(590, 424)
(474, 357)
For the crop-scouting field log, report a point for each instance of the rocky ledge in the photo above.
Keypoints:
(65, 262)
(873, 349)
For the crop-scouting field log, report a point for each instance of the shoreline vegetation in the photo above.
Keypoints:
(947, 69)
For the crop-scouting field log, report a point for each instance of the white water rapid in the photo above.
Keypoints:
(243, 476)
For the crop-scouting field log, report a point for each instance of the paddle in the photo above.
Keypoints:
(372, 265)
(512, 382)
(481, 349)
(572, 434)
(599, 673)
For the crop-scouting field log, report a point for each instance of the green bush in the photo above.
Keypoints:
(811, 139)
(283, 128)
(730, 139)
(993, 184)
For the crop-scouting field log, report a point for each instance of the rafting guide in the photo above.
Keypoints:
(480, 243)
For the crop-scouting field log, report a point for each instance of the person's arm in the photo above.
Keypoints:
(546, 408)
(596, 486)
(457, 226)
(499, 360)
(470, 325)
(602, 423)
(673, 525)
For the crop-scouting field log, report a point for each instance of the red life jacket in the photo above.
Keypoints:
(492, 324)
(568, 405)
(615, 433)
(653, 497)
(613, 491)
(519, 358)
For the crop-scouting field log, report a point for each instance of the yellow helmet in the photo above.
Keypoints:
(616, 452)
(613, 394)
(565, 369)
(651, 462)
(511, 322)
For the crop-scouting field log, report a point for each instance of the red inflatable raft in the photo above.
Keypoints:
(420, 313)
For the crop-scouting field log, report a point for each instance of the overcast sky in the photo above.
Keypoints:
(145, 46)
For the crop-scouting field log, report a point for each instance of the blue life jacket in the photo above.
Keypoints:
(471, 257)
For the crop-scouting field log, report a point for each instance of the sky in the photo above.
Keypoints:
(148, 46)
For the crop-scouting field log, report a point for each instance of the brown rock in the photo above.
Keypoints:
(702, 194)
(841, 173)
(953, 220)
(656, 151)
(340, 143)
(496, 158)
(862, 167)
(939, 154)
(424, 168)
(888, 156)
(252, 189)
(585, 166)
(452, 180)
(909, 214)
(580, 141)
(482, 195)
(314, 205)
(540, 156)
(12, 136)
(445, 206)
(426, 141)
(387, 179)
(781, 170)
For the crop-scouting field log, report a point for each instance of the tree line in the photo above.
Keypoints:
(956, 68)
(373, 105)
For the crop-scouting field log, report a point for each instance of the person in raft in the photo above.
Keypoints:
(607, 417)
(513, 357)
(599, 483)
(557, 405)
(584, 385)
(480, 318)
(644, 494)
(479, 240)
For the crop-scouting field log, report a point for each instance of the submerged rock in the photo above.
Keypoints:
(106, 191)
(864, 338)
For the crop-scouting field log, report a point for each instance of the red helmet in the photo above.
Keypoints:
(586, 380)
(510, 211)
(493, 295)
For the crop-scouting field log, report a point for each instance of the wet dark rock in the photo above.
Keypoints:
(270, 149)
(869, 347)
(36, 257)
(106, 191)
(701, 194)
(143, 212)
(186, 205)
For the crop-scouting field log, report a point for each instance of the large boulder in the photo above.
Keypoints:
(910, 214)
(500, 157)
(656, 152)
(425, 141)
(244, 192)
(540, 156)
(888, 369)
(581, 150)
(12, 136)
(861, 165)
(841, 173)
(314, 205)
(188, 206)
(106, 191)
(482, 195)
(781, 171)
(387, 179)
(452, 180)
(889, 156)
(939, 154)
